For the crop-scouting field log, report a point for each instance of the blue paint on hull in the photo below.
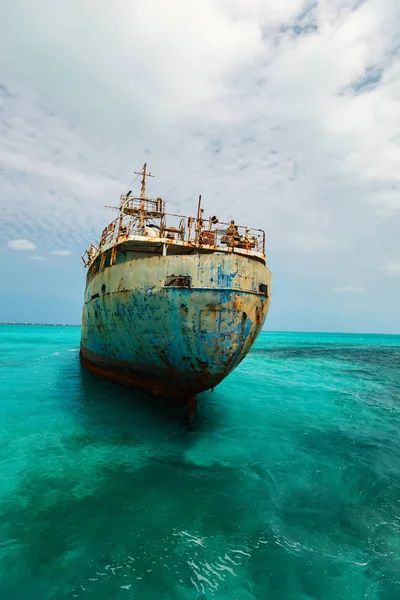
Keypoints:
(173, 340)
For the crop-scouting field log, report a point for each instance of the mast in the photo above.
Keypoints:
(199, 221)
(199, 208)
(144, 174)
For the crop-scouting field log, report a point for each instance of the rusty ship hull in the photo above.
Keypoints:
(172, 303)
(176, 325)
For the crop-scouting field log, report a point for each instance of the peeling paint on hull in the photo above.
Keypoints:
(138, 329)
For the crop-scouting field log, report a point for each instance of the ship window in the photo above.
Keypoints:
(181, 281)
(263, 288)
(107, 259)
(121, 257)
(95, 267)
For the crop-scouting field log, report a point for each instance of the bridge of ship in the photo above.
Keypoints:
(150, 233)
(143, 226)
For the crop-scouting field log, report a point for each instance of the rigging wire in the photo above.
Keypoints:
(131, 184)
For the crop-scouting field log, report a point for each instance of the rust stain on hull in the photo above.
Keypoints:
(159, 384)
(173, 340)
(173, 309)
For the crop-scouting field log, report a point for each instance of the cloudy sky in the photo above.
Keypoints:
(282, 114)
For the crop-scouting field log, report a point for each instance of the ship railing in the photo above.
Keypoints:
(196, 232)
(89, 255)
(232, 236)
(136, 204)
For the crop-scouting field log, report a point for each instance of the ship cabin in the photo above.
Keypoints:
(144, 228)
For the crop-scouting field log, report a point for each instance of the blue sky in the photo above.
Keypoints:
(284, 115)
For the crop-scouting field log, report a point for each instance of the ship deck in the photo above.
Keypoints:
(165, 246)
(146, 229)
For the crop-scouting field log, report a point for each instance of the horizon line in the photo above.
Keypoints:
(262, 331)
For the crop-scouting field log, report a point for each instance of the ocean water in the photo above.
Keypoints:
(287, 487)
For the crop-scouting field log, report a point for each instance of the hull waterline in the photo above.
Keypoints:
(172, 303)
(173, 341)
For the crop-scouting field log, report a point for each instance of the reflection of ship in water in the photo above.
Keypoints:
(172, 306)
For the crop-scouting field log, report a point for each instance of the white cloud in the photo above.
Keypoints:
(37, 258)
(62, 252)
(284, 115)
(393, 269)
(347, 289)
(48, 170)
(21, 245)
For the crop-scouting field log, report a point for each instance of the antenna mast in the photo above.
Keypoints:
(144, 174)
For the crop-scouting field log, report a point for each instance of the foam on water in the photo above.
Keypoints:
(287, 487)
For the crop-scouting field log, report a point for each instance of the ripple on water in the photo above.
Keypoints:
(288, 486)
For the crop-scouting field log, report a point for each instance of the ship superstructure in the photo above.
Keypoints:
(172, 303)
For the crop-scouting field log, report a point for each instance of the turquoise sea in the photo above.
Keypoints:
(287, 487)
